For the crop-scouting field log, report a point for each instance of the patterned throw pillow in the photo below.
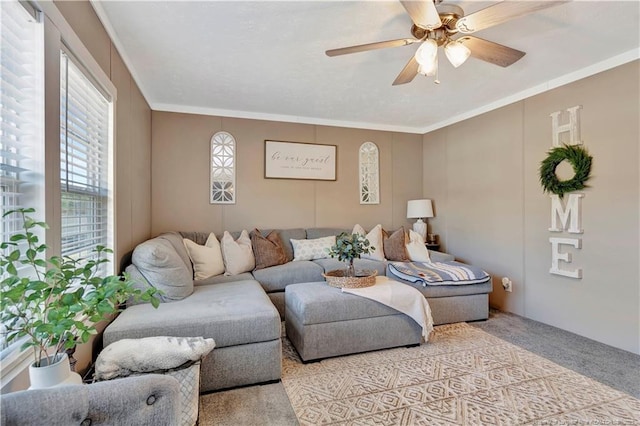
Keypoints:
(269, 250)
(375, 240)
(207, 259)
(238, 255)
(317, 248)
(394, 246)
(416, 249)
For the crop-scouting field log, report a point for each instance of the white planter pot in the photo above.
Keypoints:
(55, 374)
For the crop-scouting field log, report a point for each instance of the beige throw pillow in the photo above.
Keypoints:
(238, 255)
(316, 248)
(269, 250)
(416, 249)
(207, 259)
(375, 240)
(395, 246)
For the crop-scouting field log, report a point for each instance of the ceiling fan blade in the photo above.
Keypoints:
(371, 46)
(408, 73)
(499, 13)
(423, 13)
(491, 52)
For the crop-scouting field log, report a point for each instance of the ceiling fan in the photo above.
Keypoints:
(446, 26)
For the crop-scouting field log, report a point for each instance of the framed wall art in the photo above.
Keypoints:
(296, 160)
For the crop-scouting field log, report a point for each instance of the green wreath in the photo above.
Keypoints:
(579, 159)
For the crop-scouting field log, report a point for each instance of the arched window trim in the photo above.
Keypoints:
(369, 173)
(222, 186)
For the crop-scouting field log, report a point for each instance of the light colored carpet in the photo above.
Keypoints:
(463, 376)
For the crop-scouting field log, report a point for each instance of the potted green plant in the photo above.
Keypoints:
(56, 302)
(349, 247)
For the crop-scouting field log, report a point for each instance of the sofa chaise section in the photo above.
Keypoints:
(240, 318)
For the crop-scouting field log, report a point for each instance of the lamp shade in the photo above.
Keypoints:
(419, 209)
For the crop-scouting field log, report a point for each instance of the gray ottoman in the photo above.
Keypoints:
(322, 321)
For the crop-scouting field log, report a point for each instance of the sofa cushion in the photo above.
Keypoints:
(175, 239)
(416, 249)
(237, 254)
(230, 313)
(359, 264)
(162, 267)
(206, 259)
(269, 250)
(286, 235)
(436, 291)
(309, 249)
(313, 233)
(217, 279)
(395, 245)
(277, 277)
(375, 240)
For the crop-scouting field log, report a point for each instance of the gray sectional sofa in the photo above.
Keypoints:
(243, 313)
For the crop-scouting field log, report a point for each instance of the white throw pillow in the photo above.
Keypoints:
(375, 240)
(238, 255)
(317, 248)
(416, 249)
(207, 259)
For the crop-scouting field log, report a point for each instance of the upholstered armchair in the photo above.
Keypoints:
(150, 399)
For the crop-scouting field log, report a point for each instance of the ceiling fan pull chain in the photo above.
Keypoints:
(437, 80)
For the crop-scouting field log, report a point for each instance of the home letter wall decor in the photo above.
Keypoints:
(569, 215)
(222, 185)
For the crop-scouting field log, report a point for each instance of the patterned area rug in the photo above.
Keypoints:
(463, 376)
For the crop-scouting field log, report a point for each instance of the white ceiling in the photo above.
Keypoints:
(265, 59)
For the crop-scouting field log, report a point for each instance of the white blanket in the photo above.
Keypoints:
(401, 297)
(149, 354)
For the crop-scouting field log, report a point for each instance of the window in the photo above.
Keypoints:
(85, 132)
(21, 140)
(223, 169)
(369, 174)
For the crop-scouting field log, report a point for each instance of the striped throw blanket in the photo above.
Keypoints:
(438, 273)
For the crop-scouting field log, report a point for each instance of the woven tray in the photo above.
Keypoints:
(365, 278)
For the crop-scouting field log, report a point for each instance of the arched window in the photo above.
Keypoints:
(223, 169)
(369, 174)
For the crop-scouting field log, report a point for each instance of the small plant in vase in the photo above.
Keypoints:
(56, 302)
(349, 247)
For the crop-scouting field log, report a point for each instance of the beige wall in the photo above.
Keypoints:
(180, 175)
(490, 210)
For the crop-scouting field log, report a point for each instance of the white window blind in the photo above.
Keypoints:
(84, 135)
(21, 143)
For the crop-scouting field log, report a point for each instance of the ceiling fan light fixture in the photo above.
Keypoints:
(427, 53)
(430, 69)
(456, 52)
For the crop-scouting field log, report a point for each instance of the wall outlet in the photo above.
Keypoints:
(507, 284)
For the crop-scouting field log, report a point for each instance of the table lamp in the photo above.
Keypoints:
(419, 209)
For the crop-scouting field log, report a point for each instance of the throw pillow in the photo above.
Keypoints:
(163, 268)
(394, 245)
(269, 250)
(237, 255)
(207, 259)
(317, 248)
(375, 240)
(416, 249)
